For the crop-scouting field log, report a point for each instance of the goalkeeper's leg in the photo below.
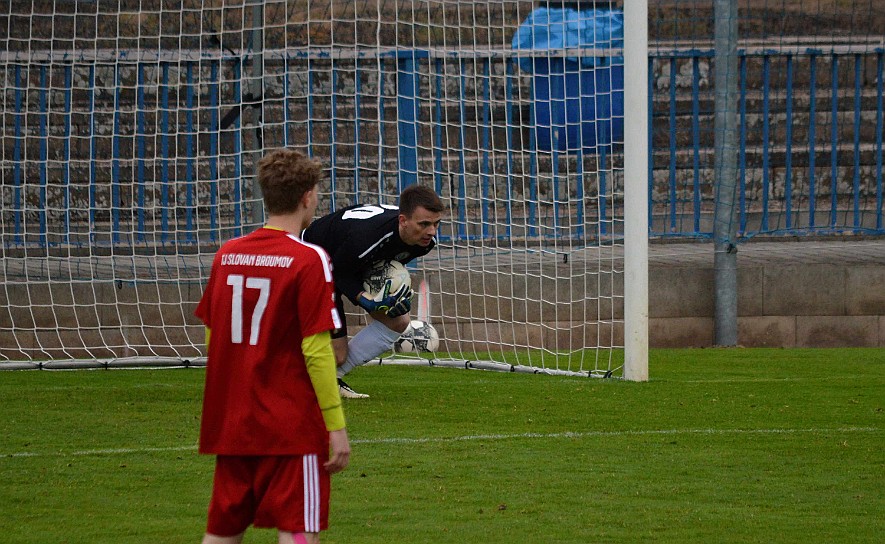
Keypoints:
(376, 338)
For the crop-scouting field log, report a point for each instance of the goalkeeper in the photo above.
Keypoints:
(359, 236)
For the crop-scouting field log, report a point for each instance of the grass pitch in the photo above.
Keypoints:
(721, 445)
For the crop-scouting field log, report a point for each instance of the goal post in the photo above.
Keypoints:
(636, 93)
(131, 131)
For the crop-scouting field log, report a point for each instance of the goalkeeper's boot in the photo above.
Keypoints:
(347, 391)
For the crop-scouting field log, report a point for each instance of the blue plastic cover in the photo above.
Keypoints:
(566, 28)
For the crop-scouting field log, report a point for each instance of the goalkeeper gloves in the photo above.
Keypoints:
(403, 305)
(385, 301)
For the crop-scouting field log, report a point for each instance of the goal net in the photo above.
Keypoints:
(131, 131)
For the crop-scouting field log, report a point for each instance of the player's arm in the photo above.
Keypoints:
(320, 361)
(346, 267)
(348, 279)
(392, 303)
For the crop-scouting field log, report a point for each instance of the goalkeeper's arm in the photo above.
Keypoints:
(393, 304)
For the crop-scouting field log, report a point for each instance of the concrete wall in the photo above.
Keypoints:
(793, 294)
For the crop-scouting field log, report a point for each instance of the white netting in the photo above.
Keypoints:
(131, 130)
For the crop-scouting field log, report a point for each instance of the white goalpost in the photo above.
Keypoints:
(131, 131)
(636, 191)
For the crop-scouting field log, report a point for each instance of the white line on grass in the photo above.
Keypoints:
(591, 434)
(839, 377)
(478, 437)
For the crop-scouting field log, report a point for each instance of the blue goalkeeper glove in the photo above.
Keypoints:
(385, 300)
(403, 305)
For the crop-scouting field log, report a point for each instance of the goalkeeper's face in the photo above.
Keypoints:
(420, 228)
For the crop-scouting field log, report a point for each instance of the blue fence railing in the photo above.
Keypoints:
(817, 168)
(138, 154)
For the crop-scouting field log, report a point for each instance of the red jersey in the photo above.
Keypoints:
(267, 292)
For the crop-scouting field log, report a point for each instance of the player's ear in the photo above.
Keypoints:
(308, 195)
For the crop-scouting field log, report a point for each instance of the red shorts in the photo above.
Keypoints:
(289, 493)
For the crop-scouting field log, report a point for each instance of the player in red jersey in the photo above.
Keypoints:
(271, 409)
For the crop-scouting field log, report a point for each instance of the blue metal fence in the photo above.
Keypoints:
(797, 201)
(810, 156)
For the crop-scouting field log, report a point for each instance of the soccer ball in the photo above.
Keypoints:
(419, 336)
(382, 271)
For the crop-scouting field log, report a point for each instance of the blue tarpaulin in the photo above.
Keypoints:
(577, 101)
(567, 28)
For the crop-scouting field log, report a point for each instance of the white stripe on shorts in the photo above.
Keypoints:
(310, 466)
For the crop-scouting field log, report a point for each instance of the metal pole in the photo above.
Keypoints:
(726, 174)
(257, 87)
(636, 190)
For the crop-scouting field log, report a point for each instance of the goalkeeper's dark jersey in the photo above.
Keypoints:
(358, 236)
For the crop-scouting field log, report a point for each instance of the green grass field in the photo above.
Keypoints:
(736, 445)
